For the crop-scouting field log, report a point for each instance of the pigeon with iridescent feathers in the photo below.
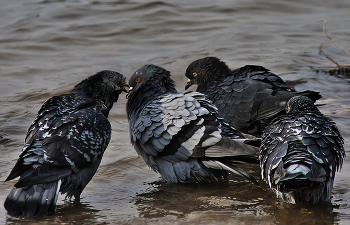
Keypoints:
(248, 98)
(64, 145)
(181, 135)
(301, 152)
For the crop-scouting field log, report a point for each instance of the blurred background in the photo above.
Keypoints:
(46, 47)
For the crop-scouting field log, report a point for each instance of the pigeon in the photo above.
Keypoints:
(181, 136)
(300, 153)
(64, 145)
(248, 98)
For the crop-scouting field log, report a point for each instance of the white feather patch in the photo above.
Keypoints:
(194, 140)
(214, 138)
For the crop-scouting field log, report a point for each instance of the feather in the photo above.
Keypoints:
(296, 157)
(248, 97)
(188, 129)
(64, 145)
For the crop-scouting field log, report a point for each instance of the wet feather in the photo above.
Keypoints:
(64, 145)
(248, 97)
(188, 124)
(297, 157)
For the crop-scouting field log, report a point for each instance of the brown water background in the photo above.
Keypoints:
(46, 47)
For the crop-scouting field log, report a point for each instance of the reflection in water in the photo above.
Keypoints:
(83, 211)
(71, 212)
(321, 213)
(242, 201)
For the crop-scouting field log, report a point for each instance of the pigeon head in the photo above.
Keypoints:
(299, 104)
(205, 71)
(150, 78)
(103, 87)
(146, 84)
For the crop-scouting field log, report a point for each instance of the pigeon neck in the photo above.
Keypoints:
(103, 102)
(137, 101)
(211, 81)
(303, 113)
(108, 104)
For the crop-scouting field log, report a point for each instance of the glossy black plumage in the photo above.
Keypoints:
(300, 153)
(64, 145)
(181, 135)
(248, 98)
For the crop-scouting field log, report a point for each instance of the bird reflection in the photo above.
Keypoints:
(70, 212)
(228, 201)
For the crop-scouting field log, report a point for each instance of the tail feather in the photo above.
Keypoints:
(228, 147)
(252, 141)
(33, 201)
(15, 202)
(313, 95)
(221, 165)
(238, 171)
(302, 183)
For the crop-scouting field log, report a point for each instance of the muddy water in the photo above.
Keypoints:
(46, 47)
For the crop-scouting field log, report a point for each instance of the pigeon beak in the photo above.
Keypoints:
(130, 90)
(189, 84)
(124, 88)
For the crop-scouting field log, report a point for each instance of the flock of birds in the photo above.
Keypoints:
(193, 136)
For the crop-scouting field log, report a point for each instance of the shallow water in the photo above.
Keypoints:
(46, 47)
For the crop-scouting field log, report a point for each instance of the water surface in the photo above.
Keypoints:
(46, 47)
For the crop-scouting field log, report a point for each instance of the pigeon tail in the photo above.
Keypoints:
(227, 165)
(313, 95)
(299, 185)
(33, 201)
(295, 178)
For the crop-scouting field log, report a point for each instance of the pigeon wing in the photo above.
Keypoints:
(172, 126)
(61, 140)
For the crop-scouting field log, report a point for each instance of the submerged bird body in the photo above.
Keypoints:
(64, 145)
(248, 98)
(180, 135)
(300, 153)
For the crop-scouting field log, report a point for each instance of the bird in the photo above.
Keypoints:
(64, 145)
(248, 98)
(181, 136)
(300, 153)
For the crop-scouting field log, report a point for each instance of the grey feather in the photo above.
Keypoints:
(64, 145)
(300, 153)
(174, 132)
(248, 97)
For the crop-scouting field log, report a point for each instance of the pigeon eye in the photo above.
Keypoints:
(194, 74)
(115, 82)
(137, 80)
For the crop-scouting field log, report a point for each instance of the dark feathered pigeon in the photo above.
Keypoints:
(248, 98)
(300, 153)
(64, 145)
(180, 135)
